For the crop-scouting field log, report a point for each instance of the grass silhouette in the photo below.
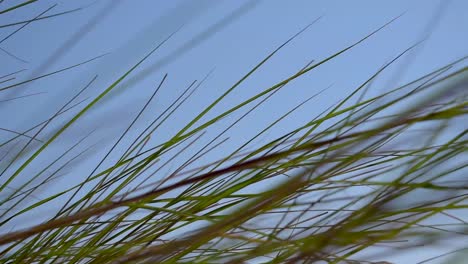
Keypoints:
(347, 181)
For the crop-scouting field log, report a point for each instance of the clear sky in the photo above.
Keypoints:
(227, 38)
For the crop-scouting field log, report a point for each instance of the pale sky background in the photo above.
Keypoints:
(228, 37)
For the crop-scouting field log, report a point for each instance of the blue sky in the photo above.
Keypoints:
(227, 38)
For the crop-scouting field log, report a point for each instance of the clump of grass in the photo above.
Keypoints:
(348, 181)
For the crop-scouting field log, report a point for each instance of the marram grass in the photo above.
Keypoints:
(370, 175)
